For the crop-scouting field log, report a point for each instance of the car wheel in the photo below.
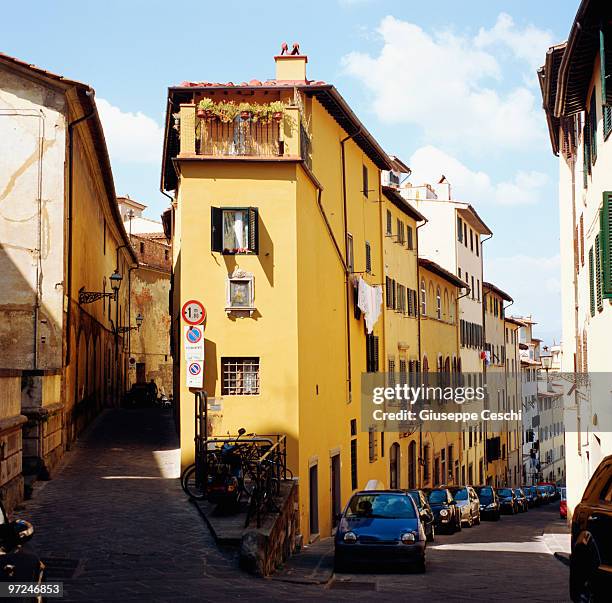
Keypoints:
(470, 521)
(431, 536)
(459, 525)
(478, 519)
(498, 516)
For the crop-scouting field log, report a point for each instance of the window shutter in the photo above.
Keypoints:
(389, 226)
(598, 284)
(375, 353)
(459, 229)
(216, 229)
(586, 152)
(393, 295)
(605, 241)
(410, 241)
(607, 119)
(254, 229)
(368, 254)
(365, 181)
(593, 129)
(388, 291)
(356, 309)
(605, 54)
(591, 283)
(582, 239)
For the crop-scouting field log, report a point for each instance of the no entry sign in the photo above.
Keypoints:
(193, 312)
(193, 342)
(195, 373)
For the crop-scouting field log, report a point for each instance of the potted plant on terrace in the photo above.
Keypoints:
(206, 109)
(246, 110)
(227, 111)
(277, 108)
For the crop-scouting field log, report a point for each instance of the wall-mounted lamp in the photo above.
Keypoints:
(88, 297)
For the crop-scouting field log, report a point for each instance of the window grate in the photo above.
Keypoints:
(240, 376)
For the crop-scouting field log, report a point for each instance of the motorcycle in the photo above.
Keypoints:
(17, 563)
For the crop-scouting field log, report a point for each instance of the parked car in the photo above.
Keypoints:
(489, 502)
(563, 503)
(544, 493)
(445, 509)
(591, 558)
(507, 500)
(533, 497)
(380, 525)
(553, 491)
(521, 499)
(467, 504)
(17, 562)
(425, 513)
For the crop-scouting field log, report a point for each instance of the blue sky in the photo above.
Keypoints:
(448, 86)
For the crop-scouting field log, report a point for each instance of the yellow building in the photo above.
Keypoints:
(62, 240)
(439, 291)
(273, 222)
(515, 398)
(498, 443)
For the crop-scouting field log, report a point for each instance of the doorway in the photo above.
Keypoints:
(313, 482)
(394, 466)
(336, 498)
(140, 372)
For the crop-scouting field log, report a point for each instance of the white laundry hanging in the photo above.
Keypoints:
(369, 301)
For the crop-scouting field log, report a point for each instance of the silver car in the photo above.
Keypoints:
(468, 504)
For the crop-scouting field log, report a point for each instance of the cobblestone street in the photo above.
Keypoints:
(114, 525)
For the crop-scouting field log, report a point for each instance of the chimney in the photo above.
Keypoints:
(291, 67)
(443, 189)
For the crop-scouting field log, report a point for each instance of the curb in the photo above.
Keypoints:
(563, 558)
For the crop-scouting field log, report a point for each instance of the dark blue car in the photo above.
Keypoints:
(380, 525)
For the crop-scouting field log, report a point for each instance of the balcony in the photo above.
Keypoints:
(243, 138)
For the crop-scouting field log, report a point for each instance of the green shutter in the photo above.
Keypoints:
(607, 119)
(605, 54)
(593, 129)
(591, 283)
(605, 241)
(598, 283)
(586, 149)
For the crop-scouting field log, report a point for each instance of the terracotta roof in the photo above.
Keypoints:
(474, 219)
(442, 272)
(394, 196)
(515, 322)
(548, 79)
(497, 290)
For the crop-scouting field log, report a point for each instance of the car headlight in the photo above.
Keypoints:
(443, 513)
(350, 537)
(408, 538)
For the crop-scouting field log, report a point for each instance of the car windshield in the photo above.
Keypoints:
(542, 489)
(485, 495)
(380, 505)
(415, 497)
(437, 496)
(459, 493)
(505, 492)
(519, 492)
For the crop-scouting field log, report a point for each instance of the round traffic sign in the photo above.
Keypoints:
(194, 334)
(195, 368)
(193, 312)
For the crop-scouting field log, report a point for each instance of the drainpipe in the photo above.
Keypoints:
(90, 93)
(419, 351)
(347, 280)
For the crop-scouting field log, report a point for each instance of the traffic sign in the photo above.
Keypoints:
(195, 373)
(193, 312)
(193, 343)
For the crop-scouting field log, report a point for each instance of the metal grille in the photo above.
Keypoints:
(240, 376)
(239, 137)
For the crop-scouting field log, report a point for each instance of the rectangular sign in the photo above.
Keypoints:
(193, 343)
(195, 373)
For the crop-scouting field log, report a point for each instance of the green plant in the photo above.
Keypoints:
(245, 107)
(206, 104)
(226, 111)
(277, 106)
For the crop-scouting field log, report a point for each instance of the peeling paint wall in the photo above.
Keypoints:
(32, 147)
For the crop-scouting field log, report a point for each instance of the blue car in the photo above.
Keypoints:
(380, 525)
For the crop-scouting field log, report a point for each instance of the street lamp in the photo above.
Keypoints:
(139, 321)
(88, 297)
(546, 362)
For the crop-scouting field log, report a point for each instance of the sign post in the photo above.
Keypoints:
(194, 314)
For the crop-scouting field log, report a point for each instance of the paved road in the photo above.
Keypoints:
(115, 525)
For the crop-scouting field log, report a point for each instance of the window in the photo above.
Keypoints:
(593, 128)
(426, 462)
(581, 239)
(142, 249)
(372, 444)
(605, 242)
(371, 353)
(389, 224)
(368, 258)
(410, 237)
(234, 230)
(400, 232)
(423, 298)
(240, 376)
(350, 256)
(354, 464)
(365, 180)
(598, 287)
(459, 229)
(240, 291)
(438, 304)
(465, 238)
(477, 244)
(166, 254)
(478, 288)
(471, 240)
(388, 295)
(473, 292)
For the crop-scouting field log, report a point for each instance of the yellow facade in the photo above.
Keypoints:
(318, 207)
(439, 291)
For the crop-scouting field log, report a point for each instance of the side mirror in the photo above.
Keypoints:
(241, 431)
(24, 530)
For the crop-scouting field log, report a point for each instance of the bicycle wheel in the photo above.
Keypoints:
(191, 484)
(184, 473)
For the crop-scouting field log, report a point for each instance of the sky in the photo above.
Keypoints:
(450, 87)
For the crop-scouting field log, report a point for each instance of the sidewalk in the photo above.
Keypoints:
(314, 564)
(557, 538)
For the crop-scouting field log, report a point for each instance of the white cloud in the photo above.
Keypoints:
(527, 44)
(131, 137)
(429, 163)
(445, 84)
(534, 283)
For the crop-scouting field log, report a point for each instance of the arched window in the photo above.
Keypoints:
(446, 308)
(452, 308)
(438, 304)
(412, 466)
(423, 298)
(394, 466)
